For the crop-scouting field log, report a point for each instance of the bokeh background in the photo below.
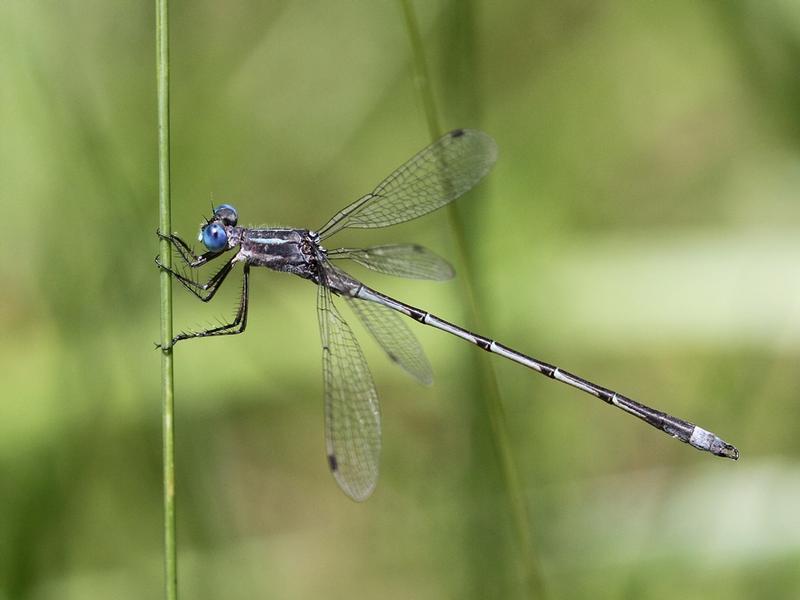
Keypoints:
(640, 229)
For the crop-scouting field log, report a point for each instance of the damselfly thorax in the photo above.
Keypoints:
(295, 251)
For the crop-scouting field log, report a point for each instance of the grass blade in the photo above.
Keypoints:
(165, 224)
(493, 404)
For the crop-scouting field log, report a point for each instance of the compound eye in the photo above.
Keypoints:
(227, 214)
(214, 237)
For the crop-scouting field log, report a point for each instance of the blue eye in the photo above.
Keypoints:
(214, 237)
(227, 214)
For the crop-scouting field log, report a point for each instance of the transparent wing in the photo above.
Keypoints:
(403, 260)
(394, 336)
(435, 176)
(352, 413)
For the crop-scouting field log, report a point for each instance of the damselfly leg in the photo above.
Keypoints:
(186, 253)
(204, 291)
(239, 321)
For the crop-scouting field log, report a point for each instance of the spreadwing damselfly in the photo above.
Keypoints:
(429, 180)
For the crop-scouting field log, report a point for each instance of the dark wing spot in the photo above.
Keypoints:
(456, 133)
(392, 356)
(333, 463)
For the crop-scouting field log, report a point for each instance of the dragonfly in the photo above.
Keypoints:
(432, 178)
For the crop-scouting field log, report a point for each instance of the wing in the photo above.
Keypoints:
(403, 260)
(435, 176)
(394, 336)
(352, 413)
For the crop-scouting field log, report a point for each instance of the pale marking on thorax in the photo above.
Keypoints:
(272, 241)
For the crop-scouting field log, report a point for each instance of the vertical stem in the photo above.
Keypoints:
(494, 406)
(421, 76)
(165, 225)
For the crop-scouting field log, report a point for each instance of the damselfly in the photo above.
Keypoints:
(432, 178)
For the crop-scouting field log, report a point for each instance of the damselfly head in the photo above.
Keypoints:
(213, 233)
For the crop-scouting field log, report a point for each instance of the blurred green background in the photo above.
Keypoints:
(640, 228)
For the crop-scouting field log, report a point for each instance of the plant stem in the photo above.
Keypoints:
(494, 406)
(165, 225)
(421, 76)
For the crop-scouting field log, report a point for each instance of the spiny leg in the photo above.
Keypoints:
(204, 291)
(186, 253)
(236, 326)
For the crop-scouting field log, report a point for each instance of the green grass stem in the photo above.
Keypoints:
(493, 403)
(165, 224)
